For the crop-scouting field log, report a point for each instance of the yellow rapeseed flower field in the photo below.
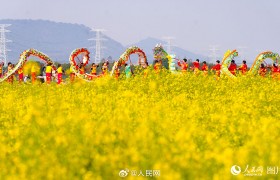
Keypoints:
(186, 126)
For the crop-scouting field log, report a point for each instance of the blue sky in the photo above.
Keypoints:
(195, 24)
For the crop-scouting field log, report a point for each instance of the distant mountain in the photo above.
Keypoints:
(149, 43)
(57, 40)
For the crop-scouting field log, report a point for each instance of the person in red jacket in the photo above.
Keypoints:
(204, 68)
(10, 79)
(72, 73)
(243, 68)
(105, 68)
(196, 66)
(217, 68)
(33, 73)
(184, 65)
(93, 71)
(1, 69)
(232, 67)
(262, 70)
(146, 69)
(117, 72)
(82, 69)
(20, 74)
(274, 70)
(157, 66)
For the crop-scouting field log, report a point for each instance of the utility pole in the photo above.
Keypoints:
(242, 53)
(3, 41)
(214, 53)
(98, 44)
(169, 45)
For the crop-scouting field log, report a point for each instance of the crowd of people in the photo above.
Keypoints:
(233, 68)
(50, 73)
(47, 75)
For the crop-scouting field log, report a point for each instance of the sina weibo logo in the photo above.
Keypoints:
(235, 170)
(123, 173)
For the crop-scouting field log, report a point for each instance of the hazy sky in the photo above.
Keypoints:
(195, 24)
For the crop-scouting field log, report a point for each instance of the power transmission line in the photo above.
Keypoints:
(169, 44)
(98, 44)
(3, 41)
(242, 53)
(214, 53)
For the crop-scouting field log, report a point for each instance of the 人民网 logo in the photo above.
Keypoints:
(235, 170)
